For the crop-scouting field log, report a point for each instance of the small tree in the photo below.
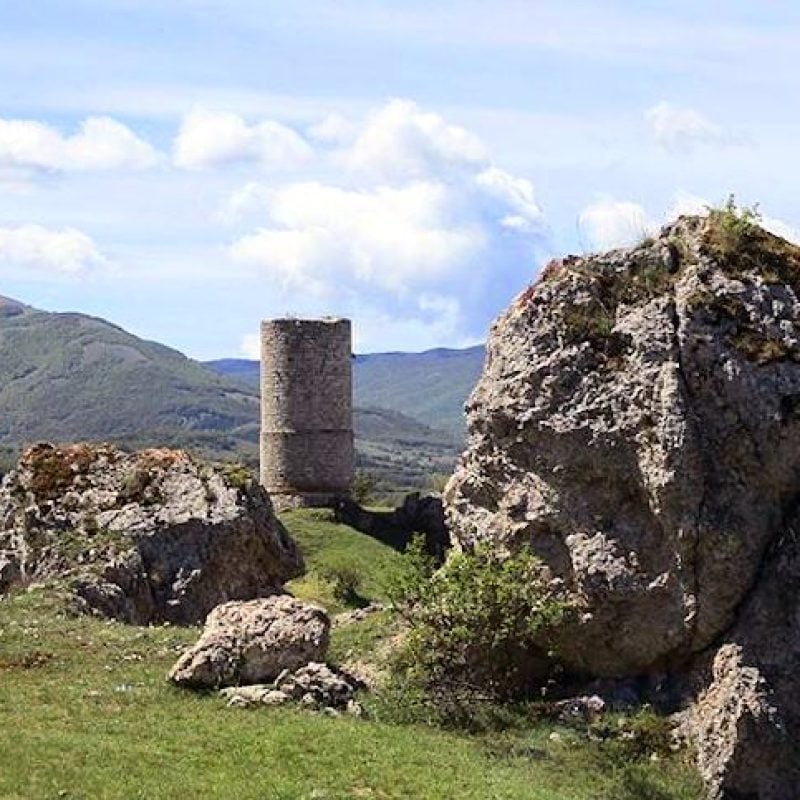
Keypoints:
(363, 489)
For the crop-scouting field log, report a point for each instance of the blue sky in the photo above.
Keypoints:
(187, 168)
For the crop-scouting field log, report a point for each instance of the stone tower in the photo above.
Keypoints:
(306, 410)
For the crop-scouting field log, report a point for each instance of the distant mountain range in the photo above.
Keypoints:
(430, 387)
(67, 377)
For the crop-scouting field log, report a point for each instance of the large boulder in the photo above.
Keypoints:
(637, 425)
(253, 642)
(143, 537)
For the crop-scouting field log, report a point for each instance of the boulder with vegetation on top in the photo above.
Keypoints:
(142, 537)
(637, 426)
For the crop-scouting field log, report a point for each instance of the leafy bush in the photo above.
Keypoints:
(479, 627)
(345, 579)
(637, 737)
(733, 228)
(236, 473)
(437, 481)
(364, 486)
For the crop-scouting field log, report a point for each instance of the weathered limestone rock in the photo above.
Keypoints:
(259, 694)
(144, 537)
(325, 686)
(315, 685)
(254, 642)
(637, 425)
(737, 731)
(746, 723)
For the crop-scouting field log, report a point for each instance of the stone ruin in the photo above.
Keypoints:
(307, 451)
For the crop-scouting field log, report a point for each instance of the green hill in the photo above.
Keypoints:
(430, 387)
(70, 376)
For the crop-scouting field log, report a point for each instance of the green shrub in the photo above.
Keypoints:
(479, 627)
(437, 481)
(364, 486)
(637, 737)
(345, 579)
(235, 473)
(732, 229)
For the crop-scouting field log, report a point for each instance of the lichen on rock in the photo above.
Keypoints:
(142, 537)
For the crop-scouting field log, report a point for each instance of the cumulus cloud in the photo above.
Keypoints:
(333, 129)
(608, 223)
(683, 129)
(687, 204)
(65, 250)
(422, 229)
(209, 139)
(402, 140)
(100, 144)
(392, 238)
(516, 195)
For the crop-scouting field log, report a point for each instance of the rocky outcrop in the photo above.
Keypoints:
(143, 537)
(638, 426)
(746, 719)
(316, 685)
(253, 642)
(738, 731)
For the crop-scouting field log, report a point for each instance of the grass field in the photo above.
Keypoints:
(85, 712)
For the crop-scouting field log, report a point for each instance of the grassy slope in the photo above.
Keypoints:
(430, 386)
(85, 713)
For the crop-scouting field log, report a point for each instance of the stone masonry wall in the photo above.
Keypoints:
(306, 410)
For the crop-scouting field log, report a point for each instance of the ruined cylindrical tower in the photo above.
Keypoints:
(306, 410)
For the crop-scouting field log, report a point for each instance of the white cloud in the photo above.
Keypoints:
(782, 229)
(609, 223)
(516, 194)
(683, 129)
(252, 197)
(101, 144)
(209, 139)
(396, 239)
(400, 140)
(333, 129)
(422, 229)
(65, 250)
(687, 204)
(432, 321)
